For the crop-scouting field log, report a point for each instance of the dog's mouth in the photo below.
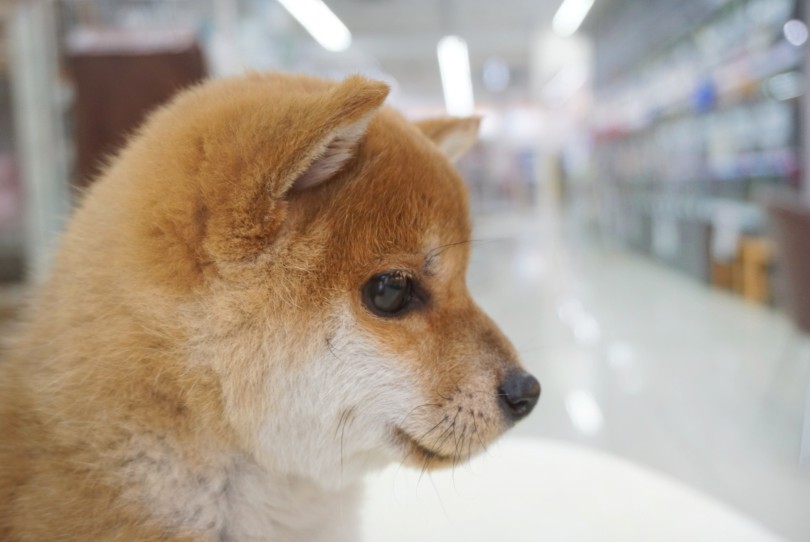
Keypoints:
(417, 451)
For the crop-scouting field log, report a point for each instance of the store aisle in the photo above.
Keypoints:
(640, 361)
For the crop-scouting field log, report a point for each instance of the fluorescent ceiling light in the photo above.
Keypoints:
(320, 22)
(570, 15)
(454, 65)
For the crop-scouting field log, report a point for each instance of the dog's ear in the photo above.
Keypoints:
(454, 136)
(355, 102)
(262, 146)
(218, 169)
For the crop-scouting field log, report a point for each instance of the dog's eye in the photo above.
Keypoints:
(388, 294)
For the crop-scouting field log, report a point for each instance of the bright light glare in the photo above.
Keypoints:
(785, 86)
(795, 32)
(565, 83)
(620, 355)
(454, 65)
(586, 330)
(584, 326)
(584, 412)
(570, 15)
(320, 22)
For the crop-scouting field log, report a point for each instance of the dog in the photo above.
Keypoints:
(261, 299)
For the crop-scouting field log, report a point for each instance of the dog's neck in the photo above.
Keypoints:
(233, 500)
(262, 506)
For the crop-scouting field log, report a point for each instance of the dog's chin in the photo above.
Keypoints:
(420, 456)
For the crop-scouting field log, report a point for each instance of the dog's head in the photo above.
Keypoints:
(318, 245)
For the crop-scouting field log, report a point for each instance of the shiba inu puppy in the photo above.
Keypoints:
(261, 299)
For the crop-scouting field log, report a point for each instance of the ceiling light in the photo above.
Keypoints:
(320, 22)
(795, 32)
(570, 15)
(454, 65)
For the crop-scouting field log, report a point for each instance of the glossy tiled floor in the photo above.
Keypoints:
(645, 363)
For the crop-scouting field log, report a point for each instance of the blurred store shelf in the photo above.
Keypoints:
(697, 123)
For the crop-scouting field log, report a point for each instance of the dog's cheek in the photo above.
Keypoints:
(334, 413)
(377, 384)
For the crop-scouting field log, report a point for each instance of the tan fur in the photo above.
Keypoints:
(202, 337)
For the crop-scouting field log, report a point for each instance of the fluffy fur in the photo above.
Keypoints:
(200, 365)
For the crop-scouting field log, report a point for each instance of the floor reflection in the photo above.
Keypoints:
(642, 361)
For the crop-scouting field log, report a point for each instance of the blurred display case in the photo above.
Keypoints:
(696, 117)
(11, 217)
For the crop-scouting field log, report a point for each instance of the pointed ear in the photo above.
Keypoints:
(454, 136)
(357, 101)
(332, 153)
(264, 137)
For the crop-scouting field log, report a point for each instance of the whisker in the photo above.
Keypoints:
(459, 453)
(444, 437)
(437, 405)
(478, 434)
(438, 495)
(443, 420)
(441, 249)
(469, 447)
(340, 421)
(332, 350)
(454, 430)
(429, 431)
(437, 446)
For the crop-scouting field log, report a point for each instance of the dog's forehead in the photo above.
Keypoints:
(410, 177)
(407, 191)
(400, 204)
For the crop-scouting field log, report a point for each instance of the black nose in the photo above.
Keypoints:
(518, 393)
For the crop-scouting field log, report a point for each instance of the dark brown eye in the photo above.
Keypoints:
(388, 294)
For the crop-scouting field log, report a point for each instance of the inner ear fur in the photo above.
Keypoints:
(331, 155)
(454, 136)
(355, 101)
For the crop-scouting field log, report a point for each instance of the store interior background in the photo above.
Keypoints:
(639, 191)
